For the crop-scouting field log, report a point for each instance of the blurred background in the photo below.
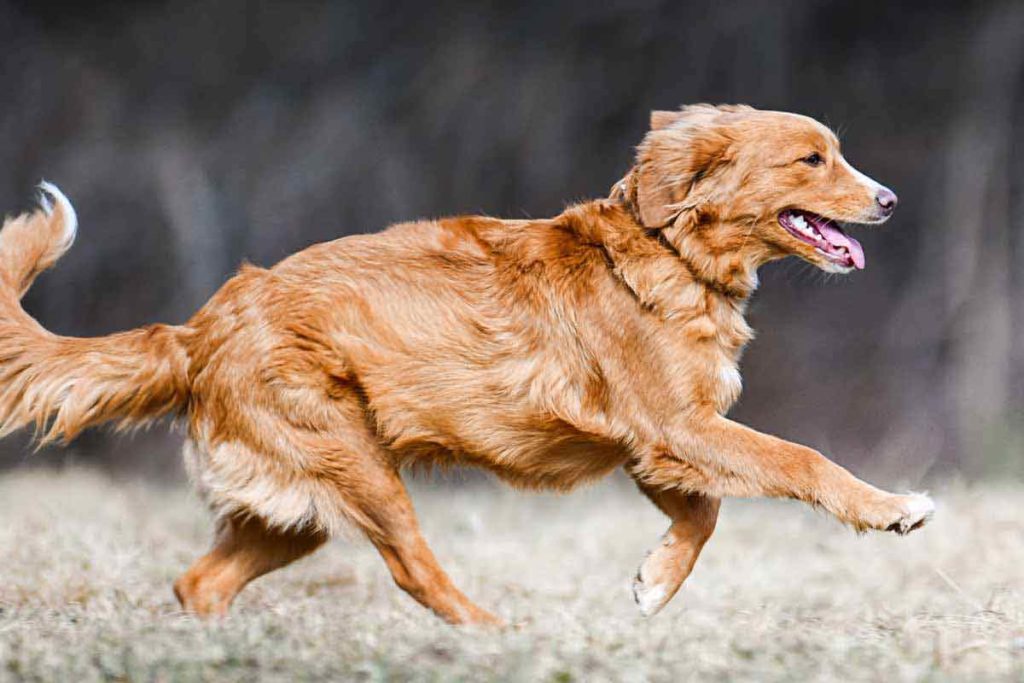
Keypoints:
(195, 135)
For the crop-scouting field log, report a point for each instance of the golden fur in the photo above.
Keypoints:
(549, 352)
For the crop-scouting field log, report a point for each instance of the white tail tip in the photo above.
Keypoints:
(48, 191)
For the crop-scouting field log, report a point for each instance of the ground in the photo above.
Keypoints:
(780, 593)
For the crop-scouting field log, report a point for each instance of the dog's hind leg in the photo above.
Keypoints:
(665, 568)
(393, 529)
(245, 548)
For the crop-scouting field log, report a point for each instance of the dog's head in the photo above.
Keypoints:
(759, 184)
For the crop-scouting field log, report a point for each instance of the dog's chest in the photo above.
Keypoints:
(692, 334)
(723, 385)
(703, 371)
(701, 346)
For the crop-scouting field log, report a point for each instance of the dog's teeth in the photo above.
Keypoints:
(801, 225)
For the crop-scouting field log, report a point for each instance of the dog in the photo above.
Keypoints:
(549, 352)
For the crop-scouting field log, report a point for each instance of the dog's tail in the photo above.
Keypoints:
(62, 384)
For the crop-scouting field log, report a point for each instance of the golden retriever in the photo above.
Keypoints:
(549, 352)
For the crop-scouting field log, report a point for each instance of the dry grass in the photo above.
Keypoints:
(781, 593)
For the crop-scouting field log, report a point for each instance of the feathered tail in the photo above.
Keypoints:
(62, 384)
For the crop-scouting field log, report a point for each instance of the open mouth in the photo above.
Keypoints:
(825, 235)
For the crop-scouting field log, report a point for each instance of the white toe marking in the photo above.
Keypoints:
(648, 598)
(920, 506)
(47, 191)
(919, 509)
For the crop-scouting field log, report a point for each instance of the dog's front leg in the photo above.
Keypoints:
(715, 456)
(666, 567)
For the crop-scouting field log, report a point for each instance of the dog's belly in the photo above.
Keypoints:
(561, 463)
(550, 464)
(530, 451)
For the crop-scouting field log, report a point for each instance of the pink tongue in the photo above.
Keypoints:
(838, 238)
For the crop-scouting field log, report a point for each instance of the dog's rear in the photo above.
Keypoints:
(62, 384)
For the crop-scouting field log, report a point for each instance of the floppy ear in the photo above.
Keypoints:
(681, 148)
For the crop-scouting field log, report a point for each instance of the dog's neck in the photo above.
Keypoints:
(675, 277)
(654, 261)
(733, 275)
(712, 254)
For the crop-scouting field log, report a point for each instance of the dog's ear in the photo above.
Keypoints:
(681, 148)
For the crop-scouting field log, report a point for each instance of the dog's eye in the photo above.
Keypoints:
(813, 159)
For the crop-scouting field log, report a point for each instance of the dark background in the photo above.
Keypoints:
(195, 135)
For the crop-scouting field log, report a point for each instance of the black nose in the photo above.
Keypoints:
(886, 199)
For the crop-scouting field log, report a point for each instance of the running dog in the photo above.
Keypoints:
(550, 352)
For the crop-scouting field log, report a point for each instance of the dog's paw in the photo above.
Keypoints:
(650, 597)
(914, 511)
(659, 578)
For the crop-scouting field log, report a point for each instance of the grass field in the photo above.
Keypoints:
(781, 593)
